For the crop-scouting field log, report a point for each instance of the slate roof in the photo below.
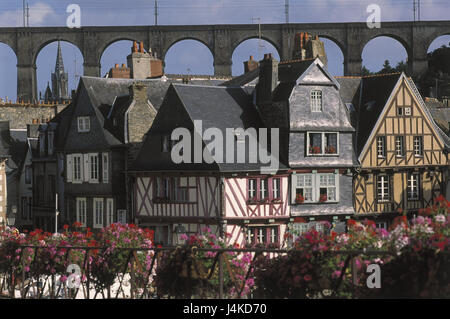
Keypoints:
(217, 107)
(13, 145)
(376, 91)
(249, 78)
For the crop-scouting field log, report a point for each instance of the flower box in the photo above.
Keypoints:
(314, 150)
(299, 199)
(330, 150)
(323, 198)
(276, 201)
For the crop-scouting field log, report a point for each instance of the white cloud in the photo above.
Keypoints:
(40, 14)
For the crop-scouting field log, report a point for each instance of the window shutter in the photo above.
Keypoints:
(293, 187)
(69, 168)
(105, 168)
(85, 171)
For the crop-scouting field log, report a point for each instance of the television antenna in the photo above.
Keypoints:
(260, 43)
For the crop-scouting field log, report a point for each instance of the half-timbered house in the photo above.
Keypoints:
(228, 195)
(403, 154)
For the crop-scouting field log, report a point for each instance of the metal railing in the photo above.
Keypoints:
(17, 283)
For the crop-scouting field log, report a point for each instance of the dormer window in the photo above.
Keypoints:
(316, 101)
(84, 124)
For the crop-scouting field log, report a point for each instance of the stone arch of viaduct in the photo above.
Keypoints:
(221, 40)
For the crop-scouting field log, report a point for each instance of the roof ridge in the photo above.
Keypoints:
(296, 60)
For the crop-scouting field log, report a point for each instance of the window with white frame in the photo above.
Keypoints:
(262, 235)
(304, 188)
(263, 189)
(252, 188)
(84, 124)
(418, 146)
(105, 167)
(77, 168)
(93, 168)
(315, 188)
(399, 146)
(109, 211)
(413, 186)
(327, 187)
(98, 212)
(276, 191)
(383, 188)
(381, 146)
(322, 143)
(316, 101)
(81, 210)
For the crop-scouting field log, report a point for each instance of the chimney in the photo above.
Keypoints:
(140, 114)
(268, 79)
(250, 65)
(116, 66)
(141, 47)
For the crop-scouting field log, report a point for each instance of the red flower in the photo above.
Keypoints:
(299, 220)
(66, 226)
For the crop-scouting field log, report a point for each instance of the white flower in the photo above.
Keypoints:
(440, 218)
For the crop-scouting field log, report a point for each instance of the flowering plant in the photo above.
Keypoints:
(330, 150)
(299, 199)
(314, 150)
(323, 198)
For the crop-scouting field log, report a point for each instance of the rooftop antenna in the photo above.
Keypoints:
(156, 12)
(286, 10)
(28, 15)
(23, 13)
(260, 44)
(75, 75)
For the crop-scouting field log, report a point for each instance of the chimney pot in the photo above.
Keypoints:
(123, 65)
(141, 47)
(117, 65)
(251, 57)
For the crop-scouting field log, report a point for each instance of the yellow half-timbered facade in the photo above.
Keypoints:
(402, 153)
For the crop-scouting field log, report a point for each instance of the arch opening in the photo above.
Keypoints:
(253, 47)
(59, 68)
(189, 57)
(384, 54)
(8, 76)
(335, 56)
(115, 53)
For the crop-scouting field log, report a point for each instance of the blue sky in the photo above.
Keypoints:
(190, 56)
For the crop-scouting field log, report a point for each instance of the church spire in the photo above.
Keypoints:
(59, 67)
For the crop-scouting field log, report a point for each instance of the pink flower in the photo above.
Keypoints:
(307, 278)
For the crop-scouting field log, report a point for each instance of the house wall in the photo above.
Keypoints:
(431, 166)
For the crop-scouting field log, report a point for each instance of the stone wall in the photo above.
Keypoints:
(19, 115)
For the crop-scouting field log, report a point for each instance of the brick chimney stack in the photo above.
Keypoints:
(250, 65)
(307, 46)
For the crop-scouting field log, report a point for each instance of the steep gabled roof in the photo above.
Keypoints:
(375, 93)
(216, 107)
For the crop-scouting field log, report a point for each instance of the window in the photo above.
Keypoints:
(327, 183)
(50, 143)
(81, 210)
(263, 189)
(122, 216)
(399, 146)
(413, 186)
(322, 143)
(315, 188)
(166, 187)
(252, 188)
(28, 173)
(77, 168)
(316, 101)
(382, 225)
(383, 188)
(381, 146)
(109, 211)
(98, 212)
(404, 111)
(276, 191)
(105, 168)
(84, 124)
(180, 192)
(304, 188)
(262, 235)
(93, 168)
(418, 146)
